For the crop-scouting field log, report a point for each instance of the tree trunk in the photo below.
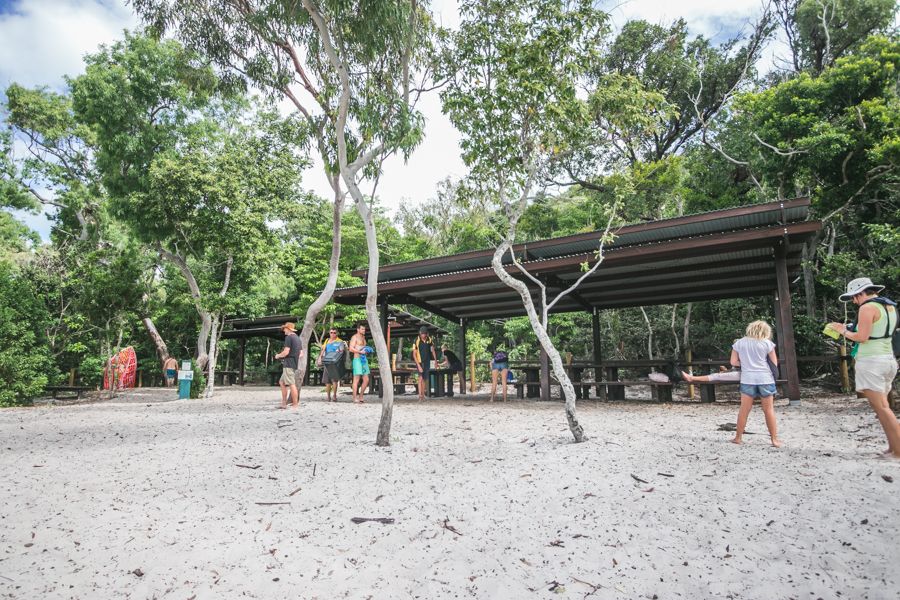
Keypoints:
(538, 324)
(674, 334)
(312, 313)
(649, 334)
(383, 437)
(206, 324)
(161, 349)
(215, 327)
(809, 279)
(205, 319)
(213, 354)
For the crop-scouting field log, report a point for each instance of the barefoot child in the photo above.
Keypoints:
(749, 353)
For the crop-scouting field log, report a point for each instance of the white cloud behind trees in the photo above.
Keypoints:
(42, 41)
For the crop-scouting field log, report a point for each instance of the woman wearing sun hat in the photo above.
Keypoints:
(876, 366)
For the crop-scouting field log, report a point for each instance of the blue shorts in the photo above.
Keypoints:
(360, 366)
(758, 390)
(500, 366)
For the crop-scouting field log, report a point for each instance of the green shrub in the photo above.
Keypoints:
(199, 381)
(24, 357)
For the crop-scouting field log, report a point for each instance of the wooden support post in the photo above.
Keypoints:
(140, 379)
(845, 369)
(463, 328)
(598, 354)
(690, 359)
(472, 374)
(785, 326)
(308, 362)
(243, 359)
(72, 377)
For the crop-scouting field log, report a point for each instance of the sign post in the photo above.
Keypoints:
(185, 377)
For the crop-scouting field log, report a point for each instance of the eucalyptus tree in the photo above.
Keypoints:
(348, 69)
(89, 273)
(818, 32)
(831, 136)
(196, 175)
(57, 168)
(513, 72)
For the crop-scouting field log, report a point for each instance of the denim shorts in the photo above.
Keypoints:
(758, 390)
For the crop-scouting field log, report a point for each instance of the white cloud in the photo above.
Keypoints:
(43, 40)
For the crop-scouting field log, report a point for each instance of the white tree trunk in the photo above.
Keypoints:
(214, 334)
(649, 334)
(205, 318)
(539, 325)
(312, 313)
(213, 356)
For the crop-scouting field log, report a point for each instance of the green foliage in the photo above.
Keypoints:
(198, 383)
(513, 70)
(25, 365)
(820, 32)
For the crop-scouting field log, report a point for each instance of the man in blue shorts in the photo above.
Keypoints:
(360, 364)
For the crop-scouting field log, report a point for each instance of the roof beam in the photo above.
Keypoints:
(435, 310)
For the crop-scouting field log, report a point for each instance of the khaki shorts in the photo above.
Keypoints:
(875, 373)
(288, 376)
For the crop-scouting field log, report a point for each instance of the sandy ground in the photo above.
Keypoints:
(139, 498)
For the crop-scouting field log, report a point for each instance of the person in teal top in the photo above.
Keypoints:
(360, 364)
(876, 366)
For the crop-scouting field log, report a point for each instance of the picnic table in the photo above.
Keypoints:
(67, 392)
(438, 381)
(222, 376)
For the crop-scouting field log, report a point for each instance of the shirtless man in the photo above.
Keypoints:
(170, 370)
(360, 364)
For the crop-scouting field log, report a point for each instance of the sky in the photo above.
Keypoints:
(42, 41)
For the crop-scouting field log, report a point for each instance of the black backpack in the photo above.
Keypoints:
(895, 335)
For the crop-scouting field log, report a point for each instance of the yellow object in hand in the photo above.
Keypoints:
(831, 332)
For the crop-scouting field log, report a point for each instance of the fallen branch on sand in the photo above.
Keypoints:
(382, 520)
(248, 466)
(295, 491)
(446, 525)
(732, 427)
(271, 503)
(638, 479)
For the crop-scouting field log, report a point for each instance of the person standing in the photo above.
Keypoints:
(454, 365)
(360, 364)
(170, 370)
(876, 366)
(333, 348)
(290, 357)
(757, 381)
(423, 353)
(499, 368)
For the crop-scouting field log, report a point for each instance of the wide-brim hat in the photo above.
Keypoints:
(289, 327)
(423, 329)
(858, 285)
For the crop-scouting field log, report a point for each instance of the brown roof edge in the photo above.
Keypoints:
(722, 213)
(758, 236)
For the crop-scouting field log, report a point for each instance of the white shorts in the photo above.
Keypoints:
(875, 373)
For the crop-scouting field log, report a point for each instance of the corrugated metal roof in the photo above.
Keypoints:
(716, 255)
(731, 219)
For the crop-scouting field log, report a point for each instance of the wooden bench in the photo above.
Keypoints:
(67, 392)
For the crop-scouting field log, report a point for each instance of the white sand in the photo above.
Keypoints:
(91, 493)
